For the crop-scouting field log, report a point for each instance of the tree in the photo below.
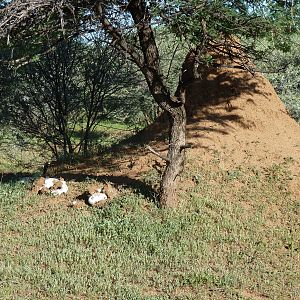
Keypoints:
(130, 27)
(62, 96)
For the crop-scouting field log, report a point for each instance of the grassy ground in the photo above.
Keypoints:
(236, 236)
(108, 133)
(19, 153)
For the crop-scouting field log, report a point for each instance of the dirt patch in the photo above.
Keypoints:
(253, 296)
(38, 185)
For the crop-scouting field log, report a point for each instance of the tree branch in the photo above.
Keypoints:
(157, 154)
(118, 39)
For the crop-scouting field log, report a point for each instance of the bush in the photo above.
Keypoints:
(283, 71)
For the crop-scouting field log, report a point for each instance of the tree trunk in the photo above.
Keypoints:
(176, 158)
(149, 64)
(71, 150)
(86, 142)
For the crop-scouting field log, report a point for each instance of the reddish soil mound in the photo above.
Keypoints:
(239, 115)
(236, 117)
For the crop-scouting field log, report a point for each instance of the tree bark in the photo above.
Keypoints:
(176, 158)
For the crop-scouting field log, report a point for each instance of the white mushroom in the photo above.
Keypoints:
(97, 197)
(49, 182)
(64, 189)
(56, 186)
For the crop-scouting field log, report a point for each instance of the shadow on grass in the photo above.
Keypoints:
(119, 181)
(213, 100)
(94, 135)
(11, 177)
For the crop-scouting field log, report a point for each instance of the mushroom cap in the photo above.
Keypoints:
(97, 197)
(60, 190)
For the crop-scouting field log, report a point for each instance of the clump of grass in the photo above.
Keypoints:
(152, 178)
(245, 246)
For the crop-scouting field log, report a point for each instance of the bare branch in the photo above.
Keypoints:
(118, 39)
(157, 154)
(186, 146)
(19, 13)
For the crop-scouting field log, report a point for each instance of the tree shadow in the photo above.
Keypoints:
(218, 88)
(93, 135)
(10, 177)
(138, 186)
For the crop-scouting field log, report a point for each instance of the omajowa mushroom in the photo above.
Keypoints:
(97, 197)
(52, 185)
(59, 187)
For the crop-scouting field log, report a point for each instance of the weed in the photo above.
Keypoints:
(152, 178)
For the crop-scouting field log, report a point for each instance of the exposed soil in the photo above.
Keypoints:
(238, 117)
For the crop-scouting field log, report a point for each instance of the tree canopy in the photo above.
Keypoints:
(63, 96)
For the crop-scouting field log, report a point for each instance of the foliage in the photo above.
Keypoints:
(61, 97)
(132, 106)
(197, 22)
(138, 108)
(209, 23)
(19, 153)
(283, 70)
(217, 26)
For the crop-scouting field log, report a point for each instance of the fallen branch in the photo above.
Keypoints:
(157, 154)
(188, 145)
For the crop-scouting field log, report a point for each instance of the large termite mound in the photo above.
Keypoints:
(239, 115)
(235, 116)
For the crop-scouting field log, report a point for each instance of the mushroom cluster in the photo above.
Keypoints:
(100, 194)
(51, 185)
(97, 196)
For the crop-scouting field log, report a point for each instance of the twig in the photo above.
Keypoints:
(172, 59)
(188, 145)
(157, 154)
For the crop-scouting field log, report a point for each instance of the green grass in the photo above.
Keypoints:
(19, 153)
(107, 133)
(235, 237)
